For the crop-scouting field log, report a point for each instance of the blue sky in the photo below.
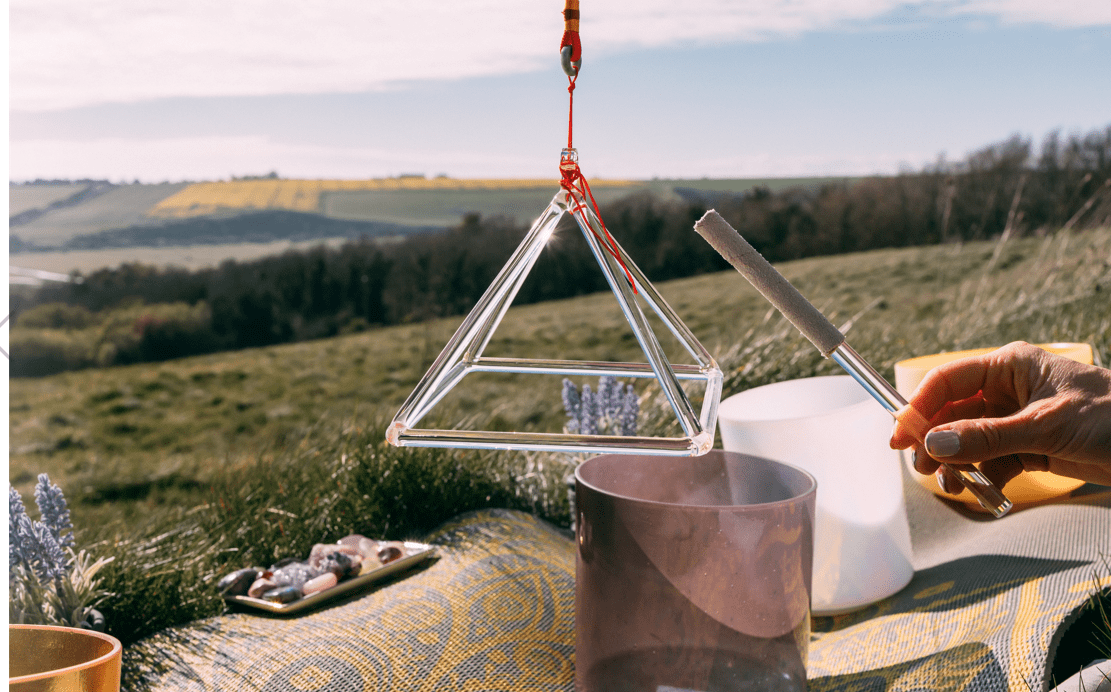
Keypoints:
(135, 89)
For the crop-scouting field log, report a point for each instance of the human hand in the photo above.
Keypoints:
(1014, 409)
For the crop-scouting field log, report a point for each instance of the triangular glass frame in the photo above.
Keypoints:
(463, 355)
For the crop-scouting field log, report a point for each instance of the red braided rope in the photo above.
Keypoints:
(573, 179)
(570, 109)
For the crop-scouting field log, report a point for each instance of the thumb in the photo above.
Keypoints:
(981, 439)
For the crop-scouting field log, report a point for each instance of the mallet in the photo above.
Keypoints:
(831, 343)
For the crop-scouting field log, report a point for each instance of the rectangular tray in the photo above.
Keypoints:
(416, 553)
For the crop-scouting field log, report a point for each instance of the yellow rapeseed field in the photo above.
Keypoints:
(199, 199)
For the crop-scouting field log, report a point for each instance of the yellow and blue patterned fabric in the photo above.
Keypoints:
(986, 608)
(984, 612)
(495, 611)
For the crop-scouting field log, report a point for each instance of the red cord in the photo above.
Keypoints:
(574, 181)
(572, 178)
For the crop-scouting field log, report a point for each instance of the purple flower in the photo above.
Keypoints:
(630, 408)
(612, 410)
(55, 513)
(39, 545)
(588, 420)
(572, 405)
(15, 533)
(48, 559)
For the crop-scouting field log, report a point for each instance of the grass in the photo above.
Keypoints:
(186, 469)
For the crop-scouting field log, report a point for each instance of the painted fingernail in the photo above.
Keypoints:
(942, 480)
(943, 443)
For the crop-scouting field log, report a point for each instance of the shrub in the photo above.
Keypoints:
(142, 333)
(57, 316)
(40, 352)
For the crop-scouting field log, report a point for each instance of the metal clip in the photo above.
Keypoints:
(569, 68)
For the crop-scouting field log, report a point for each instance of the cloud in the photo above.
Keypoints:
(1069, 13)
(65, 53)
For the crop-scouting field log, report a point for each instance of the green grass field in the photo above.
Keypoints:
(185, 469)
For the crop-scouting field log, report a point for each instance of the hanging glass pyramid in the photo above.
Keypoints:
(463, 354)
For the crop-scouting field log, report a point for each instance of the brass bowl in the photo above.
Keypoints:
(62, 659)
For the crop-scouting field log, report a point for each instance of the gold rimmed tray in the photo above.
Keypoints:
(414, 553)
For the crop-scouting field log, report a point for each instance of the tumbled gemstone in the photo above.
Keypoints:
(282, 594)
(324, 581)
(237, 583)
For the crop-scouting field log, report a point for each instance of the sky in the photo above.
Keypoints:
(155, 91)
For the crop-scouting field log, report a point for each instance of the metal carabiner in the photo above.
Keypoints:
(571, 69)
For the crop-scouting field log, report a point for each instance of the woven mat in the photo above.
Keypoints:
(987, 604)
(495, 612)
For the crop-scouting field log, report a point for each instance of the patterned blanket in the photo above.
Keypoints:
(984, 612)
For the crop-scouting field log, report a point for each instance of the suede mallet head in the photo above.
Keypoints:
(778, 290)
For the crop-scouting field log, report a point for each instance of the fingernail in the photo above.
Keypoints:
(942, 480)
(943, 443)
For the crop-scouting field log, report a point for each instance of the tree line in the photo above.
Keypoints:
(137, 313)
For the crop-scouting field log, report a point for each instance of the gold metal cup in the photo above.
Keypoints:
(42, 658)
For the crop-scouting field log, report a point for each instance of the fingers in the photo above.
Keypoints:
(973, 407)
(948, 481)
(999, 471)
(981, 439)
(1003, 470)
(1091, 473)
(964, 378)
(923, 463)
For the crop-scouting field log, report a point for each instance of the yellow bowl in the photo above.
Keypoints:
(42, 658)
(1029, 487)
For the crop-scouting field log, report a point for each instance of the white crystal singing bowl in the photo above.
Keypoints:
(832, 428)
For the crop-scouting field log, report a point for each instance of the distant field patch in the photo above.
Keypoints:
(188, 257)
(23, 198)
(119, 207)
(447, 206)
(201, 199)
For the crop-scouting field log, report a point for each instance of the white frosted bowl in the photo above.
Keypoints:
(832, 428)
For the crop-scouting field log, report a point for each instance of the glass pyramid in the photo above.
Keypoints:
(463, 354)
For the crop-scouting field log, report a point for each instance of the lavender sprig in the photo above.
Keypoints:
(630, 409)
(15, 533)
(48, 583)
(54, 512)
(43, 552)
(572, 405)
(611, 410)
(588, 420)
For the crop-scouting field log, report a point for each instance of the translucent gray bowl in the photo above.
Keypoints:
(692, 573)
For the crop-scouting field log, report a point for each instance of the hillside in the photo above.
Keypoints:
(186, 469)
(60, 216)
(250, 227)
